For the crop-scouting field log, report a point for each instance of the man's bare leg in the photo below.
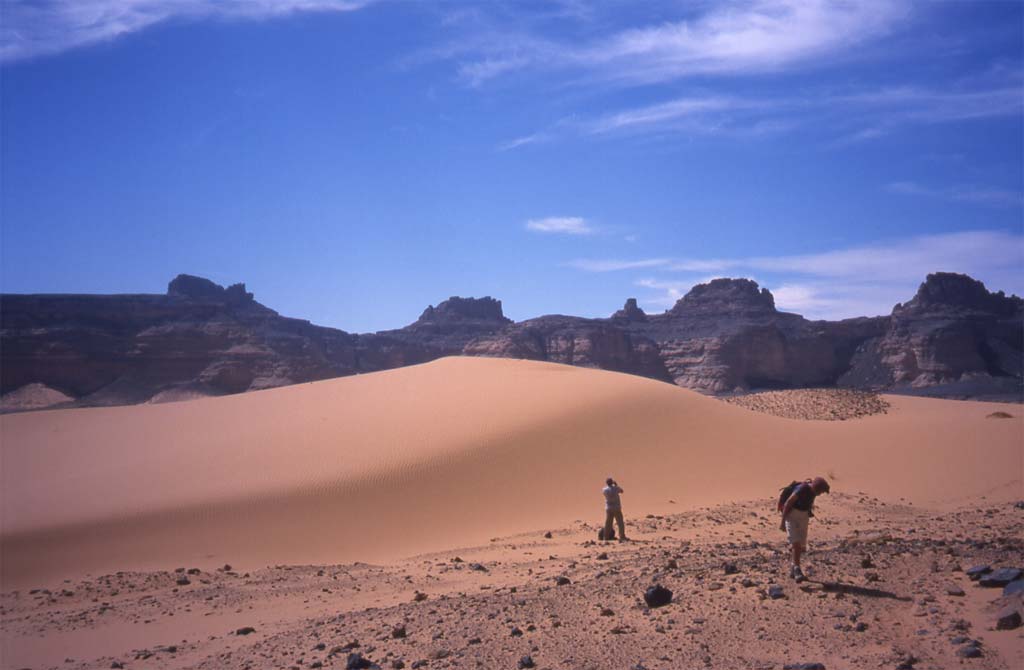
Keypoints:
(798, 552)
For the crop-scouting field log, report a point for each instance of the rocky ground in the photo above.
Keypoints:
(890, 586)
(822, 404)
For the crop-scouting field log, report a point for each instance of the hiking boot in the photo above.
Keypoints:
(797, 574)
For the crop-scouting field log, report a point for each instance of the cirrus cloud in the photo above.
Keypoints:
(566, 225)
(46, 27)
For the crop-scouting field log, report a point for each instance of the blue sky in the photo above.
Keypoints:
(353, 162)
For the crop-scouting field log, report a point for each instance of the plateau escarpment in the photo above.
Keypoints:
(953, 338)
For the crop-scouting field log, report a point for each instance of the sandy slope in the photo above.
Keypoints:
(445, 454)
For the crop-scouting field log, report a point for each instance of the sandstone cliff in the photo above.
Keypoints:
(953, 337)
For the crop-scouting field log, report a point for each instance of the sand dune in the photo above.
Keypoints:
(450, 453)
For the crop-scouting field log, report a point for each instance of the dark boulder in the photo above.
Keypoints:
(1008, 618)
(657, 596)
(357, 661)
(1014, 587)
(977, 571)
(1000, 577)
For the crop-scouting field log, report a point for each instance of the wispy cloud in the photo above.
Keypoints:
(880, 111)
(729, 38)
(840, 300)
(915, 103)
(993, 197)
(857, 281)
(45, 27)
(615, 265)
(911, 258)
(535, 138)
(567, 225)
(660, 114)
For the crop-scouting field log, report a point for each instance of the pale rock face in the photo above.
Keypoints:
(953, 332)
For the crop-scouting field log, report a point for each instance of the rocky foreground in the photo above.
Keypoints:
(814, 404)
(890, 586)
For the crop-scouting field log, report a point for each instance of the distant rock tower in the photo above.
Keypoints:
(630, 312)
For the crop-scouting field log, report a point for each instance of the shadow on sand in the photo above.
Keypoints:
(839, 587)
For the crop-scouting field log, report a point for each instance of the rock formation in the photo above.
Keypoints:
(572, 340)
(727, 336)
(954, 338)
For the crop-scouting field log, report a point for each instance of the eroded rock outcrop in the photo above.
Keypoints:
(727, 335)
(199, 339)
(572, 340)
(954, 337)
(954, 334)
(630, 312)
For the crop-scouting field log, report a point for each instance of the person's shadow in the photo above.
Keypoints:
(839, 587)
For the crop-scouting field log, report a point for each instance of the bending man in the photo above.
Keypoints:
(796, 513)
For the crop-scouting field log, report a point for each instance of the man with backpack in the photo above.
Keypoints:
(795, 503)
(613, 510)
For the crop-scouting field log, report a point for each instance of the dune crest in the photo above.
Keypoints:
(456, 451)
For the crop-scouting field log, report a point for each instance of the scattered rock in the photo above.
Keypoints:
(525, 662)
(657, 596)
(562, 580)
(398, 632)
(977, 571)
(1014, 587)
(775, 592)
(356, 661)
(825, 404)
(1008, 618)
(245, 630)
(1000, 577)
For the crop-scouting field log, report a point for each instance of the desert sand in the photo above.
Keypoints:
(362, 491)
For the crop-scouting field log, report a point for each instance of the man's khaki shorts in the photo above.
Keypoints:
(796, 526)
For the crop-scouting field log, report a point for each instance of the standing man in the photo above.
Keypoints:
(796, 513)
(613, 509)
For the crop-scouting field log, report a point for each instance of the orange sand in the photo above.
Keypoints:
(451, 453)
